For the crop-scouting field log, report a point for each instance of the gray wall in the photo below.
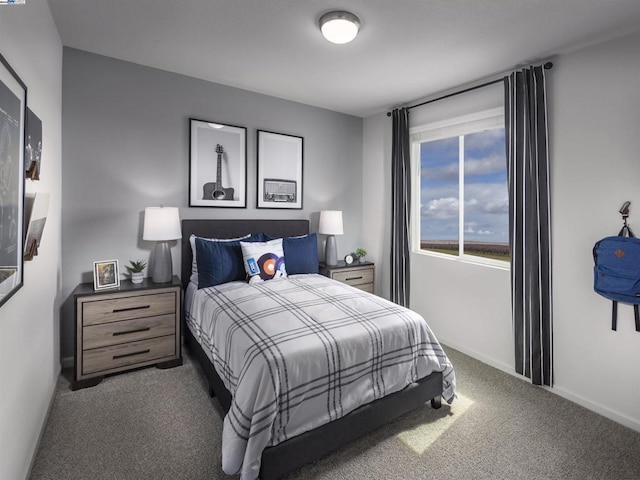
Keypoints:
(594, 121)
(125, 144)
(29, 320)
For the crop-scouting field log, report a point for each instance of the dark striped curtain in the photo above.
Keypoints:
(529, 222)
(401, 203)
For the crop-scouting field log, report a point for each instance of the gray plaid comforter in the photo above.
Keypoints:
(300, 352)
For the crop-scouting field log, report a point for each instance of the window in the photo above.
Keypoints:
(462, 200)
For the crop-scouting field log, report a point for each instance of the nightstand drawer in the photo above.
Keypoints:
(359, 275)
(367, 287)
(127, 307)
(115, 356)
(354, 277)
(112, 333)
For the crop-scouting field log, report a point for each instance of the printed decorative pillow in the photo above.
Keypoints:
(263, 260)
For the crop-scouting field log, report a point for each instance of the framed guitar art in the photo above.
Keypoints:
(217, 165)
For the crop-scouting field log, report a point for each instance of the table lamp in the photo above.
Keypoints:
(161, 224)
(330, 225)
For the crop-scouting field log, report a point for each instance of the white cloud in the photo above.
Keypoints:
(499, 206)
(472, 227)
(441, 208)
(491, 198)
(483, 166)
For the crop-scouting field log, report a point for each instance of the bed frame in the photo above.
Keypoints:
(309, 446)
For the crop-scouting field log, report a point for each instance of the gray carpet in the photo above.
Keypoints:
(161, 424)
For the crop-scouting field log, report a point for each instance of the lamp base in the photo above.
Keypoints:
(330, 251)
(162, 270)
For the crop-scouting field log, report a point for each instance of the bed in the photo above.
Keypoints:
(305, 447)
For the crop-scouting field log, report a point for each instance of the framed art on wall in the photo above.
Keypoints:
(33, 150)
(35, 218)
(13, 107)
(217, 165)
(106, 274)
(279, 170)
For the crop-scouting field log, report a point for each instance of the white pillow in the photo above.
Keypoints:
(192, 241)
(263, 260)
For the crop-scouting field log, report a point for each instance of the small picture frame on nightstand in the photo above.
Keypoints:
(106, 274)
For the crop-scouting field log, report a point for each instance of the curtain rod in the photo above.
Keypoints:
(546, 66)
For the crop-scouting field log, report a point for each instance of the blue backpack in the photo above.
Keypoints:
(616, 274)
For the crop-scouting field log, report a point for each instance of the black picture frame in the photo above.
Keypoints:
(13, 111)
(217, 164)
(280, 170)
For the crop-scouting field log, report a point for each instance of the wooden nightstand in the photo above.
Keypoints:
(359, 275)
(119, 329)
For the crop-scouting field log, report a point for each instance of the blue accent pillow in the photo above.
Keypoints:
(261, 237)
(220, 262)
(301, 254)
(194, 263)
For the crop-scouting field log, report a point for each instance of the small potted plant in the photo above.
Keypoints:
(135, 270)
(361, 253)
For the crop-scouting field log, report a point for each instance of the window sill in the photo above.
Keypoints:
(469, 259)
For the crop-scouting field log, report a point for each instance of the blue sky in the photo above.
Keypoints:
(486, 196)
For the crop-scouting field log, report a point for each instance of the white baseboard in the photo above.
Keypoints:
(479, 356)
(52, 396)
(557, 390)
(598, 408)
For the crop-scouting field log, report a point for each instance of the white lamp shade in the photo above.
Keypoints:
(339, 27)
(161, 223)
(330, 222)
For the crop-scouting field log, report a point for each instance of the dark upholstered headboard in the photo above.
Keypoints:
(233, 228)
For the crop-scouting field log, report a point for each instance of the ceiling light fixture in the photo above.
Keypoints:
(339, 27)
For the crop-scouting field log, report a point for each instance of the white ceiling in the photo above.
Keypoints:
(406, 49)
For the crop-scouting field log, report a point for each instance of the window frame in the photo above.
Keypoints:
(453, 127)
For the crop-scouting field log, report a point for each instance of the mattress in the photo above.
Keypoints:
(300, 352)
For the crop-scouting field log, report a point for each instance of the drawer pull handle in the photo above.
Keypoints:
(142, 352)
(354, 278)
(127, 332)
(142, 307)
